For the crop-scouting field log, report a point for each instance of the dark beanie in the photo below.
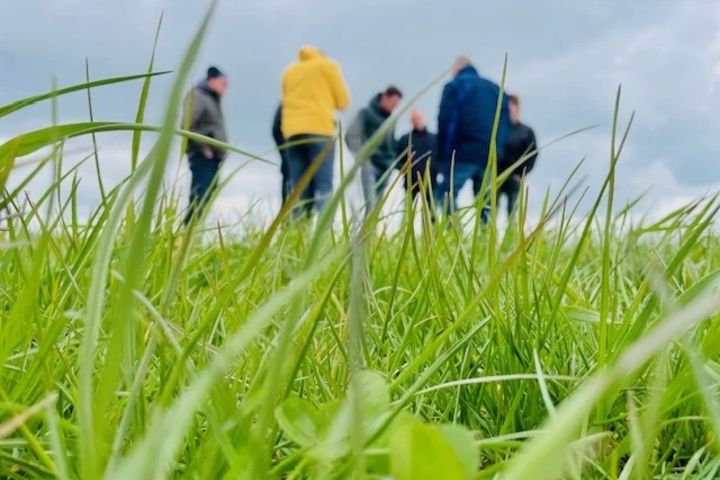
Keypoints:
(214, 72)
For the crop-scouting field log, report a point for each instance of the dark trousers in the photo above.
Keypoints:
(509, 189)
(202, 183)
(299, 158)
(417, 183)
(455, 180)
(374, 180)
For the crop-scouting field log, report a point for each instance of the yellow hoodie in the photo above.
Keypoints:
(312, 89)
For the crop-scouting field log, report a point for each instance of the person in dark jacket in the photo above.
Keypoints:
(203, 115)
(374, 173)
(465, 125)
(279, 142)
(520, 144)
(418, 150)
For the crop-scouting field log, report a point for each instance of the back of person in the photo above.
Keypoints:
(467, 117)
(520, 143)
(313, 88)
(465, 125)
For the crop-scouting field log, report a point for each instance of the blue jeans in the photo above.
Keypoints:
(454, 181)
(202, 183)
(299, 159)
(374, 181)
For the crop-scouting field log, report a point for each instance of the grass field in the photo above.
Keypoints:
(581, 345)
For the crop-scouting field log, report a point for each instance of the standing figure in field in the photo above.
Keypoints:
(519, 144)
(279, 142)
(465, 125)
(374, 173)
(313, 88)
(203, 114)
(418, 148)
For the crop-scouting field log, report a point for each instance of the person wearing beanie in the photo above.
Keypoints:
(203, 115)
(313, 88)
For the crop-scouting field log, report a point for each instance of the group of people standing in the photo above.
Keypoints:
(305, 129)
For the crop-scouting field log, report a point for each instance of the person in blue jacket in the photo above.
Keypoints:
(465, 124)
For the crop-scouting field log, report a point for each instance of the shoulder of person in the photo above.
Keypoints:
(330, 64)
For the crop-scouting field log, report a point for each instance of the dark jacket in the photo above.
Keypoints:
(423, 149)
(466, 118)
(279, 141)
(520, 141)
(277, 127)
(202, 105)
(364, 125)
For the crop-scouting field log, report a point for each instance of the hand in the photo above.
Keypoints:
(208, 153)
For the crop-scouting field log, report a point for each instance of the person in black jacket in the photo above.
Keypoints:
(280, 141)
(519, 145)
(418, 148)
(465, 127)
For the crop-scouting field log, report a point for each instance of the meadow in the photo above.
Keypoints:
(581, 345)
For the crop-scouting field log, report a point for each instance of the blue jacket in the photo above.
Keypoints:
(466, 118)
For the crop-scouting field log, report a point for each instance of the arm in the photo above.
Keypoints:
(277, 127)
(193, 112)
(532, 146)
(504, 126)
(355, 136)
(339, 87)
(446, 125)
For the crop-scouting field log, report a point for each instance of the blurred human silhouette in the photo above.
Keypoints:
(374, 173)
(203, 114)
(313, 88)
(418, 148)
(519, 143)
(465, 126)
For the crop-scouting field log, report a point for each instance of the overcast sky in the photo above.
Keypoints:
(566, 60)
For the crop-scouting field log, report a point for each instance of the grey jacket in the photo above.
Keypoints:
(202, 105)
(368, 121)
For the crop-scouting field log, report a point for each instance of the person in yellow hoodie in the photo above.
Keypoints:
(313, 88)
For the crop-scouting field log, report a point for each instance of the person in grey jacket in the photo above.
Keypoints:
(374, 173)
(203, 115)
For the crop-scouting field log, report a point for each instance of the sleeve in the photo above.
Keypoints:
(193, 112)
(446, 120)
(277, 127)
(531, 147)
(504, 126)
(401, 146)
(340, 90)
(355, 136)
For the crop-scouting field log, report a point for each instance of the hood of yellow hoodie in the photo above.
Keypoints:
(309, 53)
